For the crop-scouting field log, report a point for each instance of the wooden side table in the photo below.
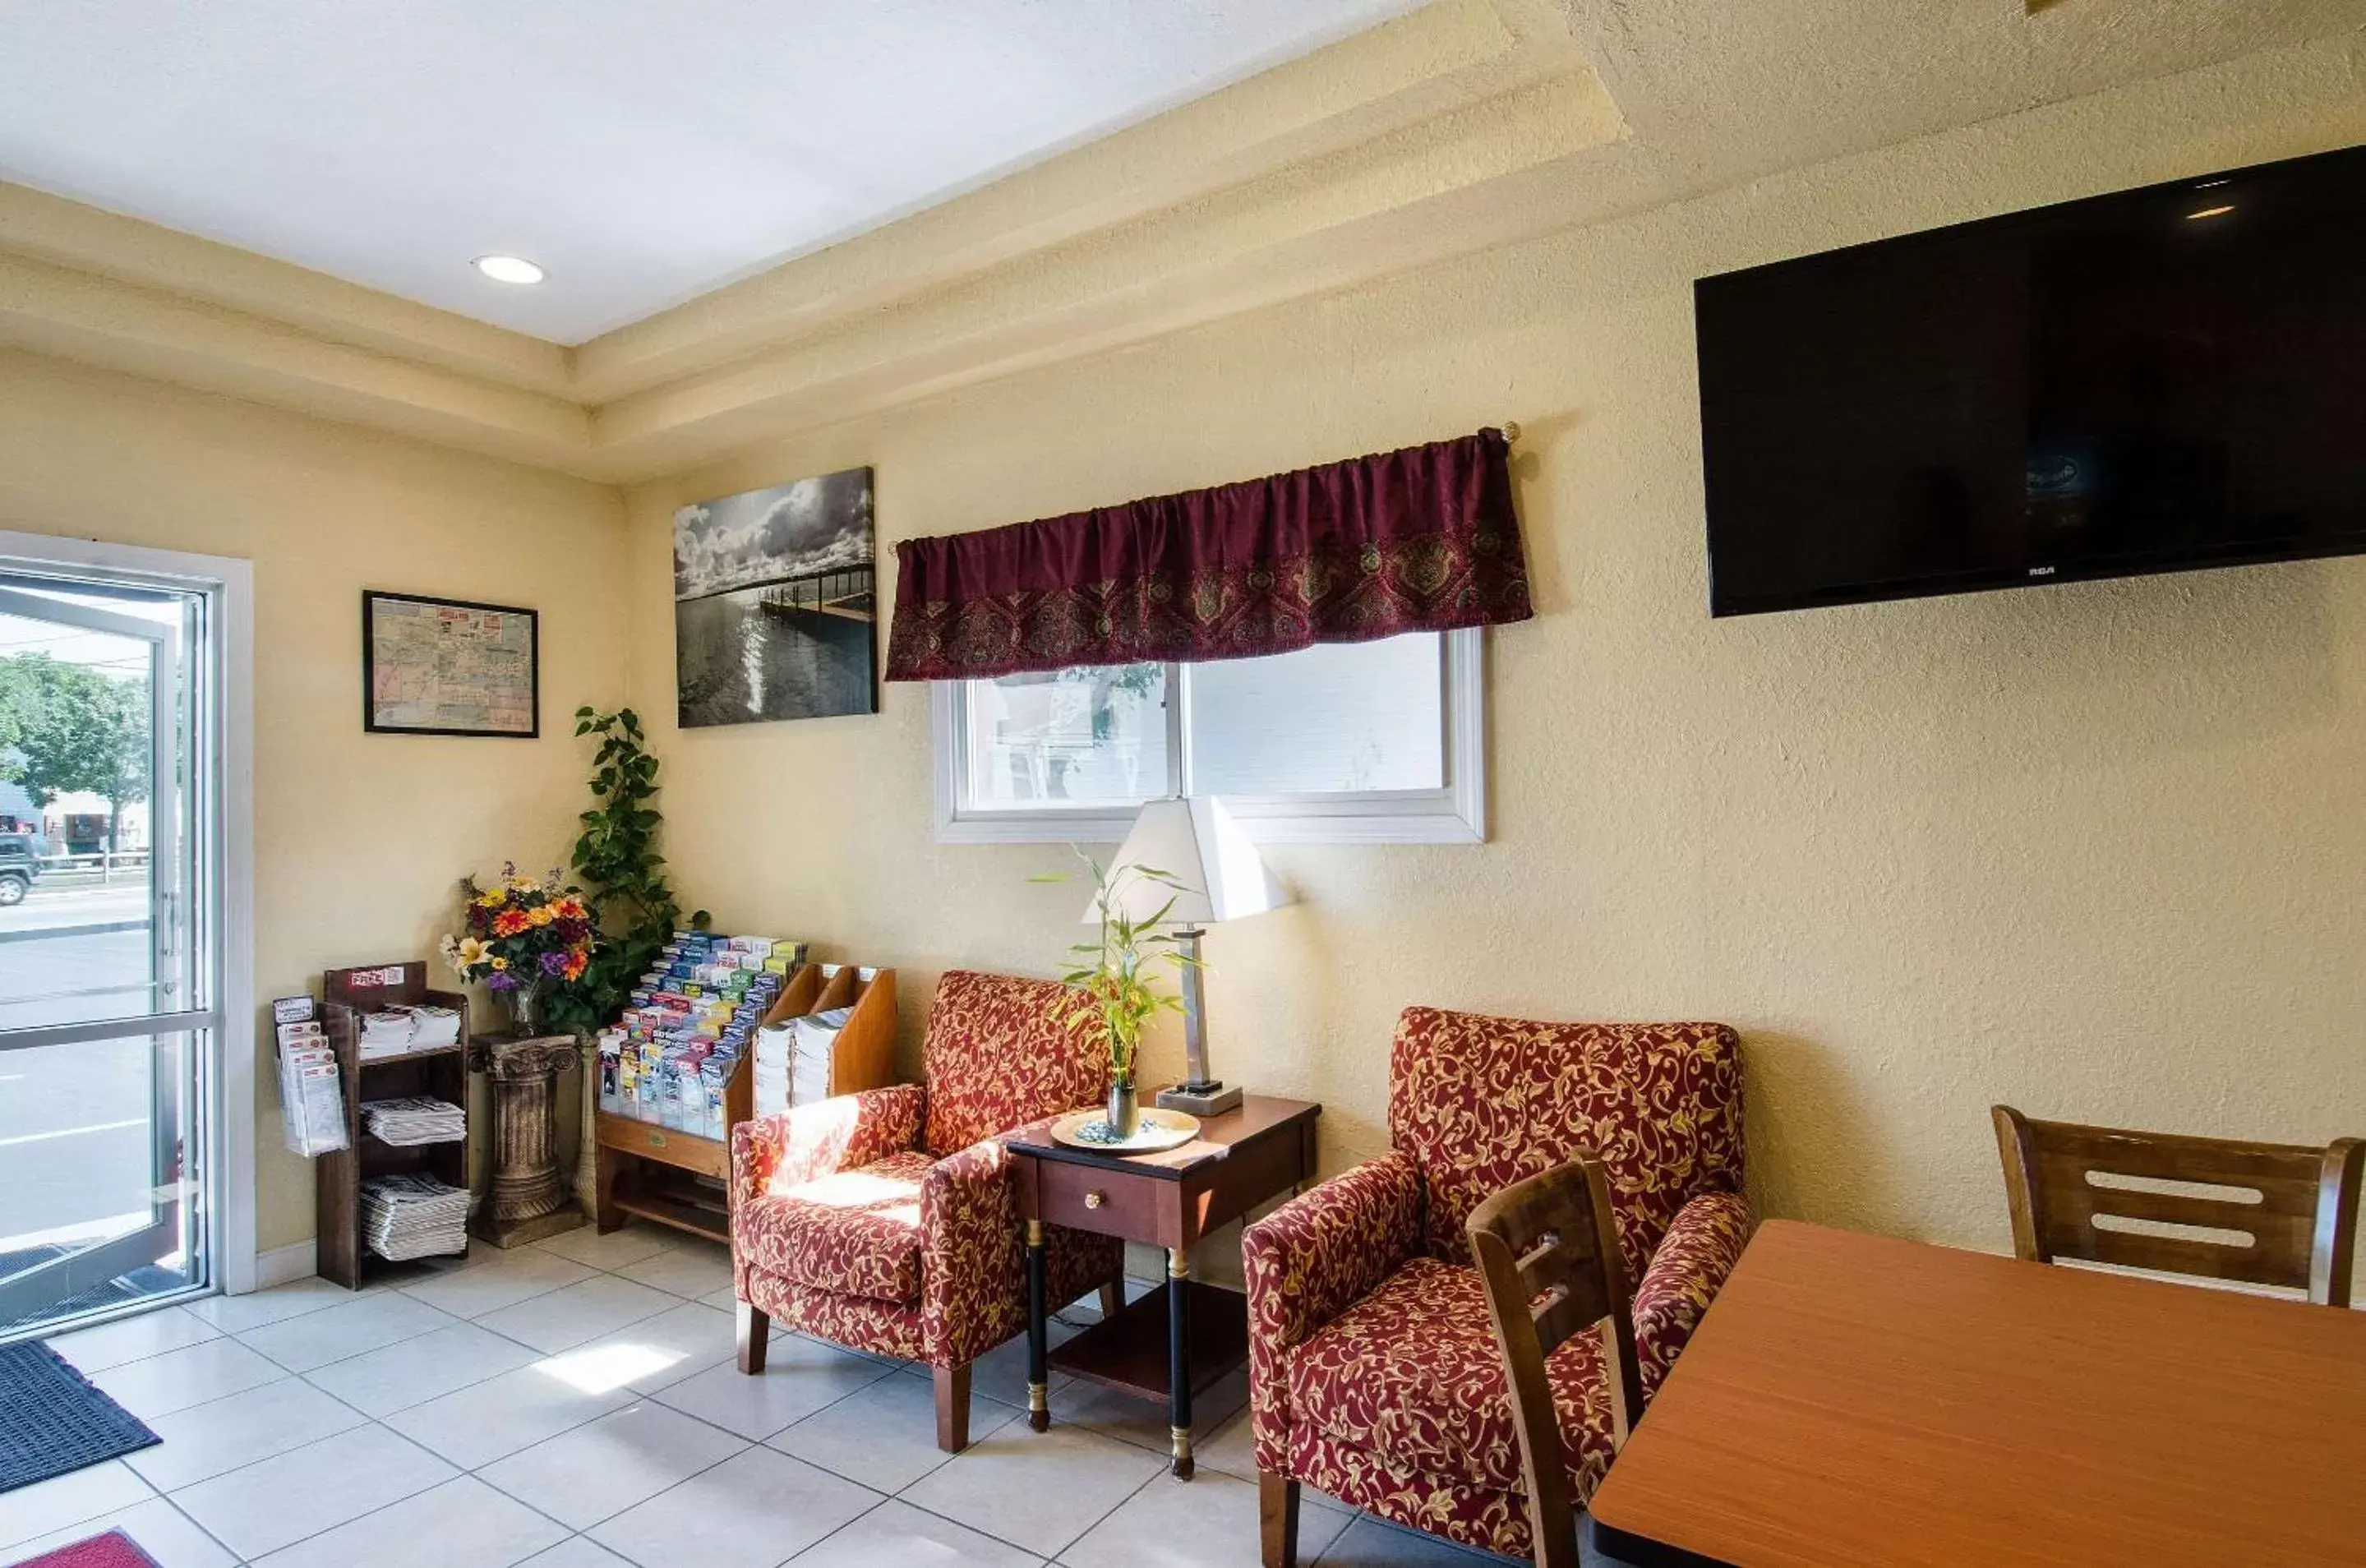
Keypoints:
(1185, 1334)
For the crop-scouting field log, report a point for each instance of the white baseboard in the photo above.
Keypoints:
(284, 1265)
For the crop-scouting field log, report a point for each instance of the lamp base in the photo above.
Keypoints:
(1200, 1098)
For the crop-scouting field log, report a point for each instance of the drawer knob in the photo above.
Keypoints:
(1095, 1199)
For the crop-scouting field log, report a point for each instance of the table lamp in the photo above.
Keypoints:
(1195, 840)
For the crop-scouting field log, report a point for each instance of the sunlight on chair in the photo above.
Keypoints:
(607, 1368)
(830, 1125)
(862, 1190)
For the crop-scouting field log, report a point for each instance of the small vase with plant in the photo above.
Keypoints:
(524, 939)
(1112, 983)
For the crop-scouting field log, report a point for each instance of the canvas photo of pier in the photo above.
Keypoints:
(775, 602)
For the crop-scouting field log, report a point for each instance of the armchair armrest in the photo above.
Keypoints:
(770, 1154)
(973, 1290)
(1309, 1260)
(1702, 1246)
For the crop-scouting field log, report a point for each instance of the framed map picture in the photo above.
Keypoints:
(448, 667)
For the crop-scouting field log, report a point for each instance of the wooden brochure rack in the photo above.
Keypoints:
(682, 1179)
(441, 1071)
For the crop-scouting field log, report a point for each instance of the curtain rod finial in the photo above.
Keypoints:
(1511, 429)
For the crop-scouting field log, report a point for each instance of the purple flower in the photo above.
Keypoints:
(553, 963)
(500, 980)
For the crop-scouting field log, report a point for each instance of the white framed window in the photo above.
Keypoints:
(1372, 742)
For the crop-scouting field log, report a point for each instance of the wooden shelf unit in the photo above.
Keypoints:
(441, 1071)
(647, 1171)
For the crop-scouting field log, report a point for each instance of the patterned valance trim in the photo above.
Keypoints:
(1420, 539)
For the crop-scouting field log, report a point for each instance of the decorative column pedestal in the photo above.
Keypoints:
(529, 1200)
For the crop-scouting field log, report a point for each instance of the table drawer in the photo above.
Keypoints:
(708, 1157)
(1087, 1199)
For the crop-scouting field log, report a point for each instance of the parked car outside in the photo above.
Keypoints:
(20, 866)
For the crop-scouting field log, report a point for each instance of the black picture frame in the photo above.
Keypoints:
(373, 597)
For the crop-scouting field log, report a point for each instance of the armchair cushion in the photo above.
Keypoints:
(1412, 1375)
(856, 1232)
(1700, 1249)
(1479, 1103)
(1002, 1051)
(775, 1154)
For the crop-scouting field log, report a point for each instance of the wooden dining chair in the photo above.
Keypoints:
(2262, 1213)
(1549, 1255)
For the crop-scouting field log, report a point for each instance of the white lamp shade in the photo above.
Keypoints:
(1194, 839)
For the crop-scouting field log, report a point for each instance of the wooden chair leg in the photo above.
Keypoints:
(1278, 1519)
(1113, 1298)
(755, 1333)
(952, 1408)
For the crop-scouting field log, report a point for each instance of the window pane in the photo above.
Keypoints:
(1339, 716)
(93, 863)
(1086, 737)
(99, 1166)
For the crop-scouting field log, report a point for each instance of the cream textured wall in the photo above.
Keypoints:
(358, 838)
(2096, 849)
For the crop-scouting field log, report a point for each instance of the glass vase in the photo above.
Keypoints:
(526, 1011)
(1124, 1110)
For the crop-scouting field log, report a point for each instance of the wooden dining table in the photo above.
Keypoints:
(1856, 1399)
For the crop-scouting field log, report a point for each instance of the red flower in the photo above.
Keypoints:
(509, 922)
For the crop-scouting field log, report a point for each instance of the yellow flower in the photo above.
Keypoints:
(541, 916)
(491, 897)
(500, 963)
(469, 951)
(523, 885)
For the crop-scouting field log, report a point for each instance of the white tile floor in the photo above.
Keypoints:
(574, 1404)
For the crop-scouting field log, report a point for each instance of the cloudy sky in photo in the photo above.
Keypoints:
(758, 536)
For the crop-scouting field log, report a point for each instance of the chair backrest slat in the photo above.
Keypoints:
(1548, 1251)
(2278, 1215)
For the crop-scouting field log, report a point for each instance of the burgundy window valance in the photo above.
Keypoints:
(1421, 540)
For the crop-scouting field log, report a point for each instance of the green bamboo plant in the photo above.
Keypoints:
(1112, 983)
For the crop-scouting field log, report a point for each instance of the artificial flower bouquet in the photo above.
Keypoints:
(522, 936)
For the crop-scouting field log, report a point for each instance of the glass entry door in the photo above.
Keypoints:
(109, 953)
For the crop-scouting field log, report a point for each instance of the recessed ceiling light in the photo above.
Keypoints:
(508, 269)
(2209, 212)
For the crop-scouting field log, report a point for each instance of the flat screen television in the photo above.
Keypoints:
(2157, 380)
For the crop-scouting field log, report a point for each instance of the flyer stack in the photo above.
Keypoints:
(413, 1215)
(692, 1021)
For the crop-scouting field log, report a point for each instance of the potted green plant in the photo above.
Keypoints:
(1111, 984)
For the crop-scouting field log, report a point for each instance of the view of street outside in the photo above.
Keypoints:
(75, 1137)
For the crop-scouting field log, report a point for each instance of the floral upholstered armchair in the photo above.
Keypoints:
(1373, 1372)
(886, 1221)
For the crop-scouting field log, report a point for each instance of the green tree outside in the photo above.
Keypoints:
(65, 728)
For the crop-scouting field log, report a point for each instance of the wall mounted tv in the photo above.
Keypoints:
(2157, 380)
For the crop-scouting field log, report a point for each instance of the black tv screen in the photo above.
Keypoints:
(2152, 381)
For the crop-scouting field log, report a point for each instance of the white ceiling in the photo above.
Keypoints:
(643, 151)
